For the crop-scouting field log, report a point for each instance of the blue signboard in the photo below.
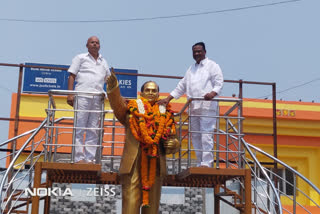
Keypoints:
(127, 83)
(41, 80)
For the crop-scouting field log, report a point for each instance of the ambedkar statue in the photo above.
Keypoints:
(150, 131)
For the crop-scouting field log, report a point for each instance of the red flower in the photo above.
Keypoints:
(146, 188)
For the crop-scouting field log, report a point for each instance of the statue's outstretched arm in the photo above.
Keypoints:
(117, 102)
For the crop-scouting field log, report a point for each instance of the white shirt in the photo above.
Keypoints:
(199, 80)
(90, 73)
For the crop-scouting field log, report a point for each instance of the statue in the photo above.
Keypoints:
(149, 137)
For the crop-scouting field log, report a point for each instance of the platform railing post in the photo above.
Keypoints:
(189, 137)
(74, 130)
(217, 138)
(46, 152)
(240, 147)
(227, 143)
(113, 140)
(180, 140)
(99, 149)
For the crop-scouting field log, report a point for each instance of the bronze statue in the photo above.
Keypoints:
(149, 131)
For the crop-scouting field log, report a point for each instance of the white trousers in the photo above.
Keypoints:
(203, 143)
(83, 150)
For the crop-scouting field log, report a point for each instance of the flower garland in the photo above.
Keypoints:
(149, 125)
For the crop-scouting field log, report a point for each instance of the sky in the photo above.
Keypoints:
(253, 40)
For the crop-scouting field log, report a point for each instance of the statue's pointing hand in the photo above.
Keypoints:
(112, 82)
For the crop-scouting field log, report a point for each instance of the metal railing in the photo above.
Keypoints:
(222, 152)
(108, 141)
(230, 152)
(298, 197)
(11, 182)
(52, 109)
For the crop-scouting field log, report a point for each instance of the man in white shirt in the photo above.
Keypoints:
(202, 79)
(89, 71)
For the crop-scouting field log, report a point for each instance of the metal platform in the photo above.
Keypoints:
(91, 174)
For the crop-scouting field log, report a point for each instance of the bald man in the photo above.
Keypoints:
(89, 71)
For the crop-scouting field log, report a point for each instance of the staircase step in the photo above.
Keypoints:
(17, 193)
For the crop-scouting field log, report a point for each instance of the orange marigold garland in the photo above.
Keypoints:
(149, 124)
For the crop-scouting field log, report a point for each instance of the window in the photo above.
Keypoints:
(284, 179)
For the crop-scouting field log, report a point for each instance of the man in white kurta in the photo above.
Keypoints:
(89, 71)
(202, 79)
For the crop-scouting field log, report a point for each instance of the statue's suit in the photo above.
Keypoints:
(130, 164)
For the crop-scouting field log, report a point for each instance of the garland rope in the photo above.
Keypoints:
(149, 125)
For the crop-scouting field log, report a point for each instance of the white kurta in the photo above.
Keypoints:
(90, 76)
(90, 73)
(199, 80)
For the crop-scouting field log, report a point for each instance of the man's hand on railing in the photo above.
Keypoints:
(210, 96)
(70, 99)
